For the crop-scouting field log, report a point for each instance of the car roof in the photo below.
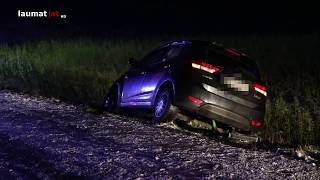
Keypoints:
(215, 45)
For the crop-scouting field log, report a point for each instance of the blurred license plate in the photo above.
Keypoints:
(237, 84)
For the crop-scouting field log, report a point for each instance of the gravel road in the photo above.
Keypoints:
(43, 138)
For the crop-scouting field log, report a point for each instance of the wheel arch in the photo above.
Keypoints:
(116, 87)
(166, 84)
(119, 92)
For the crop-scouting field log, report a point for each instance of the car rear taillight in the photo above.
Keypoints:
(255, 123)
(259, 88)
(205, 66)
(195, 100)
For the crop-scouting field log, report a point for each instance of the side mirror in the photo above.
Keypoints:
(133, 62)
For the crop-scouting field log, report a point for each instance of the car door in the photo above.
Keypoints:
(131, 86)
(158, 71)
(133, 93)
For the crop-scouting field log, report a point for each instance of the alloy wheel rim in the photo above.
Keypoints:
(161, 105)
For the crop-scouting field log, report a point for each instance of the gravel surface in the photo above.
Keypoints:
(43, 138)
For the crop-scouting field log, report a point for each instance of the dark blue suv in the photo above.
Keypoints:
(198, 77)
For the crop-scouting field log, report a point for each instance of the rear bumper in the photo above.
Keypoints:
(225, 116)
(228, 110)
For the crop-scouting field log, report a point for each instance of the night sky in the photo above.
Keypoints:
(165, 16)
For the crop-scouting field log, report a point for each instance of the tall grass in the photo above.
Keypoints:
(81, 70)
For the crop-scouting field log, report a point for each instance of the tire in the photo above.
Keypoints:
(161, 109)
(111, 101)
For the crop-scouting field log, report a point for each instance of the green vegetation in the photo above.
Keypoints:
(82, 70)
(78, 70)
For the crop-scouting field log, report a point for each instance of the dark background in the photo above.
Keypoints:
(143, 17)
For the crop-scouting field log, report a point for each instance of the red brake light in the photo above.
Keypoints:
(232, 51)
(255, 123)
(259, 88)
(195, 100)
(205, 66)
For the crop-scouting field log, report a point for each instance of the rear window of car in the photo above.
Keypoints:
(221, 58)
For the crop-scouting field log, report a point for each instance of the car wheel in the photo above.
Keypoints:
(161, 106)
(111, 100)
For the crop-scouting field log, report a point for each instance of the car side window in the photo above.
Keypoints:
(161, 55)
(174, 52)
(155, 57)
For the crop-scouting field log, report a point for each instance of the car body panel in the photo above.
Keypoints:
(132, 83)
